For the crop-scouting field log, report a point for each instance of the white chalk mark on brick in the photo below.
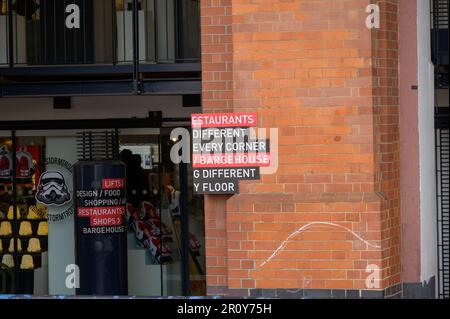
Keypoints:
(309, 225)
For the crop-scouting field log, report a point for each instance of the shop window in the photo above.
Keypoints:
(24, 246)
(37, 237)
(155, 220)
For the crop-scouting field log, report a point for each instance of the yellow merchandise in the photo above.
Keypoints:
(27, 262)
(37, 212)
(25, 229)
(1, 246)
(43, 229)
(43, 210)
(11, 245)
(8, 260)
(33, 212)
(5, 229)
(34, 246)
(10, 213)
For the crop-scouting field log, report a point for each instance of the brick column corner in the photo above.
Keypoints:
(328, 220)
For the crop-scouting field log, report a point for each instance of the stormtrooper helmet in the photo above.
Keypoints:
(52, 189)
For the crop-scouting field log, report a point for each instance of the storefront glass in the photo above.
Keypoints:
(165, 237)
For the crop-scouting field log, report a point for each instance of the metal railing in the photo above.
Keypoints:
(52, 32)
(440, 57)
(442, 152)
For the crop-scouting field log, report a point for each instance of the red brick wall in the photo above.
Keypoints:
(313, 70)
(217, 49)
(387, 137)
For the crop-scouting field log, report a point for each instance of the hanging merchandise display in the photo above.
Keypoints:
(151, 233)
(25, 165)
(5, 162)
(156, 236)
(28, 239)
(27, 169)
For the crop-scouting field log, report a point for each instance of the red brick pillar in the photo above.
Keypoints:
(217, 96)
(313, 70)
(385, 88)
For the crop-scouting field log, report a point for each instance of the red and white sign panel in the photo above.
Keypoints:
(101, 211)
(103, 216)
(231, 160)
(106, 221)
(224, 120)
(113, 183)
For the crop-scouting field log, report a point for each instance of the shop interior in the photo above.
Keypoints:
(165, 240)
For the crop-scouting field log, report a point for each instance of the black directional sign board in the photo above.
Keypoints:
(234, 142)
